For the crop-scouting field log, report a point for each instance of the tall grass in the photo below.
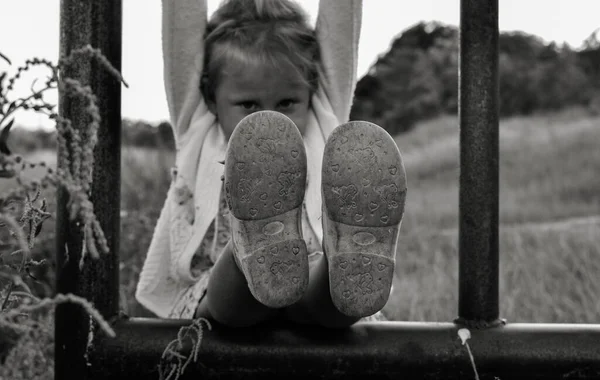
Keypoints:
(549, 210)
(547, 274)
(549, 167)
(145, 179)
(548, 172)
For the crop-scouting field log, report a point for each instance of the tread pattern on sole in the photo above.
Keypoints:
(265, 180)
(364, 191)
(277, 272)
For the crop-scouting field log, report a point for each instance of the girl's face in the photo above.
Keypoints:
(245, 89)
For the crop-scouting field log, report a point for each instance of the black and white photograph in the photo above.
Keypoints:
(299, 189)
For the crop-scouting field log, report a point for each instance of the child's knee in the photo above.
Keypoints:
(225, 315)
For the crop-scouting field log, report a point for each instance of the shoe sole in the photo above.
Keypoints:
(265, 180)
(364, 190)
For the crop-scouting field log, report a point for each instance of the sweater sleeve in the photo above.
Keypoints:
(338, 31)
(183, 28)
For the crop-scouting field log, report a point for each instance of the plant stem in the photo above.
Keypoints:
(23, 101)
(5, 58)
(5, 302)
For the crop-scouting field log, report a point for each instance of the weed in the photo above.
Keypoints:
(22, 215)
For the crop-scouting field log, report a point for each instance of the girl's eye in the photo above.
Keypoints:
(287, 103)
(248, 106)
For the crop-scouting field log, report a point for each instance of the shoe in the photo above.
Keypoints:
(363, 189)
(265, 181)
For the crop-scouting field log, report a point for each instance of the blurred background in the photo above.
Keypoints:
(408, 84)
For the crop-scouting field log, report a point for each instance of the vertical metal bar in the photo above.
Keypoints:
(479, 192)
(97, 23)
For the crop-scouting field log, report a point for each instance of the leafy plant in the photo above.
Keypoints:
(22, 212)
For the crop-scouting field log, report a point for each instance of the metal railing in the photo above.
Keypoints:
(366, 350)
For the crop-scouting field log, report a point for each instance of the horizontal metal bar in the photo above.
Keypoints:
(378, 350)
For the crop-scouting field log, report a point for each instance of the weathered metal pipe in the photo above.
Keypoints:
(97, 23)
(479, 153)
(384, 350)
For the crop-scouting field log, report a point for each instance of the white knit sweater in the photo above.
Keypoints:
(192, 201)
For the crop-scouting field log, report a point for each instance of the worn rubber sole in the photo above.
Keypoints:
(265, 180)
(364, 190)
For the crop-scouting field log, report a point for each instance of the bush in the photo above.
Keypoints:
(417, 79)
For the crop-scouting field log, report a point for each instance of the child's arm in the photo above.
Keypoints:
(183, 28)
(338, 31)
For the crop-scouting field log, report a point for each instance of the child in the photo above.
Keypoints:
(241, 243)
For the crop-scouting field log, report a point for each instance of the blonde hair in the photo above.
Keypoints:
(271, 32)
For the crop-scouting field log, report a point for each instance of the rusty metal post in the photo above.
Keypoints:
(97, 23)
(479, 152)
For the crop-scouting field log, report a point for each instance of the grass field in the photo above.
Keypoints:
(549, 207)
(549, 213)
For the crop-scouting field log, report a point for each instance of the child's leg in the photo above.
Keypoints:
(265, 266)
(364, 190)
(228, 299)
(265, 178)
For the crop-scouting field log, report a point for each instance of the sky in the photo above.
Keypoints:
(29, 28)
